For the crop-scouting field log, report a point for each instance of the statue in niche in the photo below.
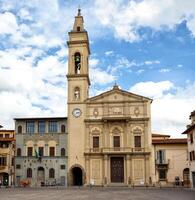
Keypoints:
(77, 93)
(77, 60)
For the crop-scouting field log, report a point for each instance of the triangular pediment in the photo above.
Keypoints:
(117, 95)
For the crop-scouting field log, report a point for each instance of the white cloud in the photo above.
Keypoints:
(32, 70)
(97, 75)
(93, 62)
(164, 70)
(63, 52)
(140, 71)
(25, 15)
(152, 89)
(29, 88)
(179, 65)
(170, 111)
(109, 53)
(126, 18)
(8, 23)
(121, 63)
(151, 62)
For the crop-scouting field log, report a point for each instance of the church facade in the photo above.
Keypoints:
(109, 135)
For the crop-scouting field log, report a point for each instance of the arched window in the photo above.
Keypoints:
(63, 152)
(29, 173)
(63, 128)
(18, 152)
(77, 93)
(20, 129)
(77, 61)
(51, 173)
(78, 28)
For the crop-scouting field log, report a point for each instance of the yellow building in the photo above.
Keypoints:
(190, 131)
(171, 160)
(7, 145)
(109, 138)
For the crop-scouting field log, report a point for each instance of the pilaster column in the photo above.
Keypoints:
(105, 135)
(87, 138)
(128, 177)
(105, 174)
(87, 168)
(46, 150)
(57, 150)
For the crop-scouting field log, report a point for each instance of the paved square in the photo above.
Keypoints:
(96, 194)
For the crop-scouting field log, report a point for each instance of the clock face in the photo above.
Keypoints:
(76, 112)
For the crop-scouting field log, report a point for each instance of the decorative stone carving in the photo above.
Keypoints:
(137, 130)
(136, 111)
(116, 130)
(115, 111)
(95, 112)
(95, 131)
(77, 93)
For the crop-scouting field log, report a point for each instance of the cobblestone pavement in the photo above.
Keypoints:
(96, 193)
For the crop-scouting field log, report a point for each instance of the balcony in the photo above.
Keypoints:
(162, 164)
(116, 150)
(3, 167)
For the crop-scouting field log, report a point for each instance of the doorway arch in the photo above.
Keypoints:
(77, 176)
(4, 177)
(40, 176)
(186, 177)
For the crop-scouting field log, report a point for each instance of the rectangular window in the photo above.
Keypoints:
(193, 155)
(53, 128)
(191, 138)
(12, 161)
(162, 174)
(30, 151)
(62, 166)
(161, 156)
(41, 151)
(3, 161)
(137, 141)
(190, 156)
(116, 142)
(96, 142)
(41, 127)
(4, 145)
(51, 151)
(18, 166)
(6, 135)
(30, 127)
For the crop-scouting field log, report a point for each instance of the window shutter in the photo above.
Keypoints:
(116, 142)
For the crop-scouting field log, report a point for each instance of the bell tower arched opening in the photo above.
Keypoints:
(77, 62)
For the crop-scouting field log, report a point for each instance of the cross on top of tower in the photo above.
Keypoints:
(79, 11)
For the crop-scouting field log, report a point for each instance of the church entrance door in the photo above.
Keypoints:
(117, 169)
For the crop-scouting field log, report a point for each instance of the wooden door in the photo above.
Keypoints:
(117, 169)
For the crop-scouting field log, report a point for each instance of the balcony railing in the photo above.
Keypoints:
(116, 150)
(162, 162)
(2, 167)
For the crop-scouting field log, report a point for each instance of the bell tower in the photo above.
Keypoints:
(78, 87)
(78, 69)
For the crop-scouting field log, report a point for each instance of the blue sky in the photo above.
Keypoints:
(147, 47)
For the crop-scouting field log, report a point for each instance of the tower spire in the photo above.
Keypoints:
(78, 23)
(79, 11)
